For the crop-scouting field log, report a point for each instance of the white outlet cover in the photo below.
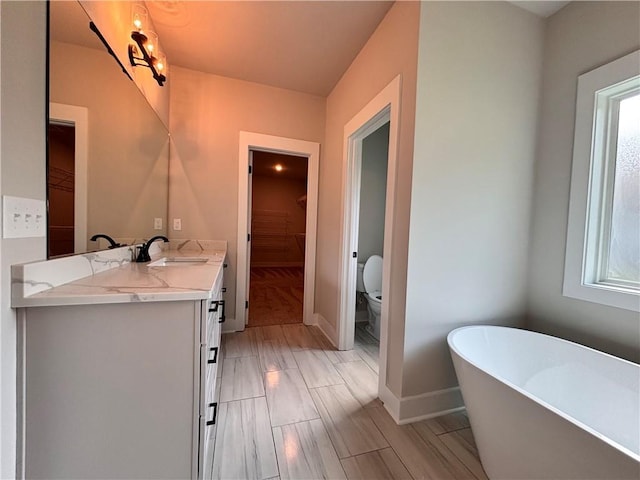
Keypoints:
(23, 217)
(177, 224)
(157, 223)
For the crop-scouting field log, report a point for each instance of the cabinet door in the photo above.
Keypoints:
(103, 404)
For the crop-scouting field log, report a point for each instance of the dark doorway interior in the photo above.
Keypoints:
(278, 222)
(61, 189)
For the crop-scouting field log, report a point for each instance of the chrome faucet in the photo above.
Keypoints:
(112, 242)
(143, 250)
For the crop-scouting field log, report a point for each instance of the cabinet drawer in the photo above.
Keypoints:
(209, 358)
(211, 383)
(214, 328)
(213, 317)
(212, 354)
(208, 438)
(208, 319)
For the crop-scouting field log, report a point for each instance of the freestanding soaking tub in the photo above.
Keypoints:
(545, 408)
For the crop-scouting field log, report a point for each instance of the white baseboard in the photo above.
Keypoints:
(421, 407)
(391, 402)
(430, 415)
(227, 326)
(328, 329)
(428, 405)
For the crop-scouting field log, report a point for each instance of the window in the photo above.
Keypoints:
(621, 261)
(602, 262)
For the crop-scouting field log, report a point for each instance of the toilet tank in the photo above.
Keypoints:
(359, 282)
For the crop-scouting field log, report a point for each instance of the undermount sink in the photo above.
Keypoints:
(178, 262)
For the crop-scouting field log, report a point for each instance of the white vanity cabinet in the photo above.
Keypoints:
(210, 360)
(121, 390)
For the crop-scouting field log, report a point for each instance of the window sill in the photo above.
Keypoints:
(612, 296)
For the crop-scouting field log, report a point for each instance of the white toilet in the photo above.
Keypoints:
(369, 282)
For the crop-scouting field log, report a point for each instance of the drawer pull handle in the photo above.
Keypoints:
(215, 304)
(224, 290)
(222, 317)
(215, 413)
(215, 355)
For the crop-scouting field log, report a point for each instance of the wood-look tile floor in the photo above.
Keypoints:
(275, 295)
(303, 410)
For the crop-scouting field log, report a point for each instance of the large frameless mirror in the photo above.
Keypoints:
(108, 152)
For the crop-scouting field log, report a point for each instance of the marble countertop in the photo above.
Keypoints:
(135, 282)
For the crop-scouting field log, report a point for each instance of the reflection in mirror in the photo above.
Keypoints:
(108, 153)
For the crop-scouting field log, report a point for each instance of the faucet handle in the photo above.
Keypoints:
(142, 254)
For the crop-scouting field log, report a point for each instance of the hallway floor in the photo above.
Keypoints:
(275, 295)
(291, 406)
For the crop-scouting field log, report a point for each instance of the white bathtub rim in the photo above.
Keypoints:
(626, 451)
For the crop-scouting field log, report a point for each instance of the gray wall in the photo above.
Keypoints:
(373, 190)
(579, 38)
(392, 50)
(479, 75)
(22, 174)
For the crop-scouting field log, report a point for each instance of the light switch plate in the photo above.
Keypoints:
(23, 217)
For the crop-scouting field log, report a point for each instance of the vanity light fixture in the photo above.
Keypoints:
(146, 52)
(278, 168)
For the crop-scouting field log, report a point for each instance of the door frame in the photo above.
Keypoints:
(385, 106)
(249, 142)
(78, 117)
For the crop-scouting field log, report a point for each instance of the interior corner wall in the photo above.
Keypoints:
(207, 112)
(479, 73)
(579, 38)
(392, 50)
(22, 174)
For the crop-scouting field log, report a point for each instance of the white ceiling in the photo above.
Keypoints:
(297, 45)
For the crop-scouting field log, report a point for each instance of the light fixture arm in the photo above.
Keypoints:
(146, 60)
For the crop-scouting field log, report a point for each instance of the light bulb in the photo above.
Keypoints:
(139, 17)
(161, 62)
(278, 168)
(152, 42)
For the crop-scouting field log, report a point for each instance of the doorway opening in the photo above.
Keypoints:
(278, 232)
(252, 144)
(67, 179)
(370, 238)
(61, 140)
(383, 109)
